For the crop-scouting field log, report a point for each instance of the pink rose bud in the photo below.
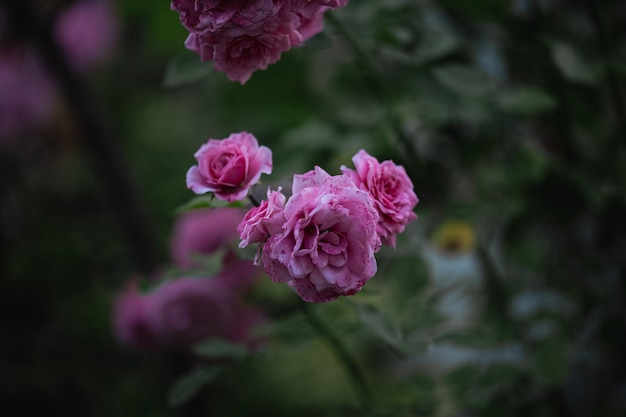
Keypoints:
(229, 167)
(391, 190)
(326, 245)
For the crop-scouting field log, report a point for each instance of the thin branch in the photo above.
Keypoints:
(339, 349)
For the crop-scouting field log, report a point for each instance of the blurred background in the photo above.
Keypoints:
(504, 298)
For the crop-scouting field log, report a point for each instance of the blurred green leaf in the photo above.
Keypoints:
(379, 325)
(318, 42)
(435, 47)
(527, 101)
(573, 66)
(550, 362)
(185, 68)
(187, 386)
(220, 348)
(464, 80)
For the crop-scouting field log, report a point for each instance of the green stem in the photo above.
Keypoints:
(379, 89)
(339, 349)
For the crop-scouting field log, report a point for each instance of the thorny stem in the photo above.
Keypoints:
(377, 84)
(339, 349)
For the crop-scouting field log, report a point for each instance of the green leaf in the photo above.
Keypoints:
(435, 47)
(220, 348)
(464, 80)
(185, 68)
(527, 101)
(572, 65)
(202, 201)
(187, 386)
(206, 201)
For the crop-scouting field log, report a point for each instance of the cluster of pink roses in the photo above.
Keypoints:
(242, 36)
(188, 310)
(323, 238)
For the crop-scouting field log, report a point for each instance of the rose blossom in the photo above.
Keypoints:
(240, 55)
(229, 167)
(203, 231)
(390, 188)
(326, 246)
(188, 310)
(243, 36)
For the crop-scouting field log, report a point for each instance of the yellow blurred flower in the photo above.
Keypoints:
(455, 236)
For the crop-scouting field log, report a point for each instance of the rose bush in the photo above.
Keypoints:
(229, 167)
(391, 190)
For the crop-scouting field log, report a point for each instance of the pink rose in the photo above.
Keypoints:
(203, 231)
(87, 31)
(188, 310)
(200, 16)
(238, 55)
(327, 243)
(229, 167)
(309, 8)
(391, 190)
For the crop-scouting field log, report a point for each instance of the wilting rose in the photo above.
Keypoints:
(327, 243)
(188, 310)
(203, 232)
(391, 190)
(229, 167)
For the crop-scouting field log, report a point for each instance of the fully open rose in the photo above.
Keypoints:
(328, 240)
(229, 167)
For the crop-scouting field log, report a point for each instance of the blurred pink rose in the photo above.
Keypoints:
(261, 222)
(327, 243)
(229, 167)
(27, 95)
(391, 190)
(88, 31)
(188, 310)
(203, 231)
